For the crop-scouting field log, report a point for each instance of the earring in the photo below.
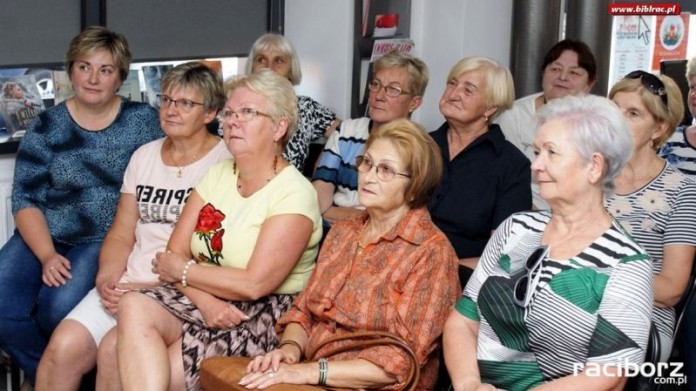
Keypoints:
(234, 167)
(485, 118)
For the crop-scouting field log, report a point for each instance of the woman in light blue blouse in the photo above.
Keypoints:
(68, 173)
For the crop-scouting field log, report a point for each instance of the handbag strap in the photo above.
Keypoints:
(364, 339)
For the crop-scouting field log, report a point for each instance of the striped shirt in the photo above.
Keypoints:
(592, 308)
(661, 213)
(337, 161)
(678, 152)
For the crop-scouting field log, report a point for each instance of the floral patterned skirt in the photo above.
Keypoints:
(253, 337)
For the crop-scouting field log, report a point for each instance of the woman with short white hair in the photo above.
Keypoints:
(558, 288)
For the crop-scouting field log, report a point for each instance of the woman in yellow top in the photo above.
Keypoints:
(244, 246)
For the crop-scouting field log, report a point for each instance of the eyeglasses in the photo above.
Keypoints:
(185, 105)
(523, 289)
(245, 114)
(651, 82)
(390, 90)
(384, 172)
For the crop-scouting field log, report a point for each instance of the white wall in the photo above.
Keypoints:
(444, 31)
(322, 32)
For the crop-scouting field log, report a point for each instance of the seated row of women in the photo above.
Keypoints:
(234, 240)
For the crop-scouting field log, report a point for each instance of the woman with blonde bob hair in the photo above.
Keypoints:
(244, 246)
(387, 269)
(654, 201)
(486, 178)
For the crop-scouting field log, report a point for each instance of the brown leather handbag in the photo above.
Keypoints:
(224, 373)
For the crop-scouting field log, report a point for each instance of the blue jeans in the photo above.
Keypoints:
(30, 310)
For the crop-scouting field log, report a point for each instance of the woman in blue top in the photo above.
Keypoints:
(68, 172)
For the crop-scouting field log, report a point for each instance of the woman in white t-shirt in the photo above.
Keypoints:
(156, 184)
(245, 245)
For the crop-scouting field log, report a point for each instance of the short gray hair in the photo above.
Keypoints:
(278, 93)
(691, 68)
(597, 126)
(280, 43)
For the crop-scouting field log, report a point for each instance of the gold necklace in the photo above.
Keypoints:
(180, 168)
(648, 174)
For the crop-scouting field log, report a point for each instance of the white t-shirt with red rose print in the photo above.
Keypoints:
(160, 195)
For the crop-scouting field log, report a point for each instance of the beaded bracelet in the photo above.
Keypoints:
(293, 343)
(323, 371)
(185, 272)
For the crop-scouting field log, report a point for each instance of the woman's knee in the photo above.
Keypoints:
(106, 353)
(71, 345)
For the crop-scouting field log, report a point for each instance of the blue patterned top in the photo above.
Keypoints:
(73, 175)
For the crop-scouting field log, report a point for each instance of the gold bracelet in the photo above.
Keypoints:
(293, 343)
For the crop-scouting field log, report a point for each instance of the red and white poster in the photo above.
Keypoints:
(633, 39)
(671, 38)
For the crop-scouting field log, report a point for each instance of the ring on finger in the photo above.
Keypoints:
(52, 268)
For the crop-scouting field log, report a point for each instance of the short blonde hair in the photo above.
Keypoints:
(500, 89)
(280, 43)
(415, 68)
(197, 76)
(420, 153)
(671, 114)
(7, 89)
(95, 38)
(277, 92)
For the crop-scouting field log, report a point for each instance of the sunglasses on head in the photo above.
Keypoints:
(526, 284)
(651, 82)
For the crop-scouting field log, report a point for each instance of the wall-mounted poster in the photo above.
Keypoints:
(633, 38)
(20, 103)
(671, 38)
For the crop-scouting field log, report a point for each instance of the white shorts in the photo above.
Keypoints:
(91, 313)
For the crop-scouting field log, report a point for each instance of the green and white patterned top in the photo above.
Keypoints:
(592, 308)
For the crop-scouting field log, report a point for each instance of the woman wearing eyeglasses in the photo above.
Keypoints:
(159, 178)
(560, 299)
(244, 246)
(653, 200)
(486, 179)
(387, 269)
(396, 90)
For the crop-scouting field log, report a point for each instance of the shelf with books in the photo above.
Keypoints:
(374, 20)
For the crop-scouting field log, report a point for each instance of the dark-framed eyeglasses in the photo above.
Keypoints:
(390, 90)
(384, 172)
(185, 105)
(245, 114)
(526, 284)
(651, 82)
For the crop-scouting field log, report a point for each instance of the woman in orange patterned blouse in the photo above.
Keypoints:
(388, 269)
